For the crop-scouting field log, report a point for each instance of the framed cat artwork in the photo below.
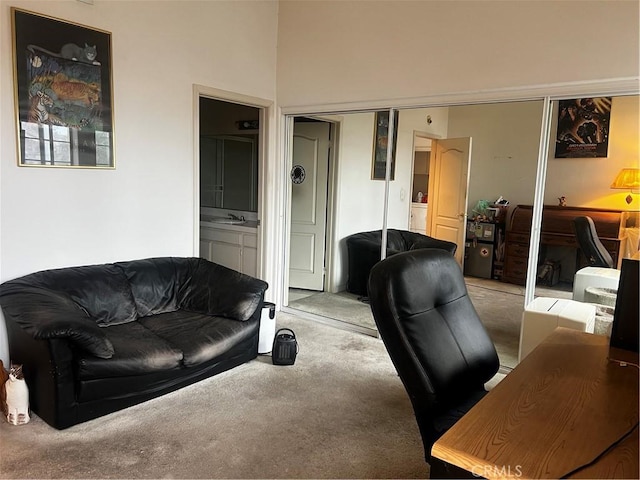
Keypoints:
(63, 93)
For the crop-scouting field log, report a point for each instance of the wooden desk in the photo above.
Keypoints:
(557, 230)
(560, 408)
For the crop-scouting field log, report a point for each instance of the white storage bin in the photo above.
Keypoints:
(544, 314)
(267, 327)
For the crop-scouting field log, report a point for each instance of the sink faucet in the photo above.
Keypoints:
(233, 217)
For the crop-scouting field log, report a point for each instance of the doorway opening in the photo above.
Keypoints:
(229, 147)
(420, 183)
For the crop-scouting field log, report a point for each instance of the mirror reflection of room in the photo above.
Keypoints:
(359, 203)
(589, 219)
(504, 145)
(582, 184)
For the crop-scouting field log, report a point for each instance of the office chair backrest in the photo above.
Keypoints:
(590, 244)
(430, 327)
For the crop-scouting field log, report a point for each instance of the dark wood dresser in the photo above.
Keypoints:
(557, 229)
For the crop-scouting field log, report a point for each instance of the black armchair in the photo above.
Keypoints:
(434, 337)
(590, 245)
(364, 252)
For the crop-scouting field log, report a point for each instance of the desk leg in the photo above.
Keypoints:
(442, 469)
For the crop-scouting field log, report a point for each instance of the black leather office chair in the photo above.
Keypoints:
(434, 336)
(590, 244)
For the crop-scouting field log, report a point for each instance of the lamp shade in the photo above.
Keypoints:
(627, 179)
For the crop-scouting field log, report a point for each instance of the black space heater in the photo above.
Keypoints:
(285, 347)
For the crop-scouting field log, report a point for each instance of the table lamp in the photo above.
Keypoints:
(627, 179)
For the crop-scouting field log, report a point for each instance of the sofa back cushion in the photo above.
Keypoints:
(156, 283)
(395, 240)
(415, 241)
(101, 290)
(220, 291)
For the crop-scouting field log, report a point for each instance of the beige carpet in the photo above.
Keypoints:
(499, 306)
(501, 314)
(344, 306)
(339, 412)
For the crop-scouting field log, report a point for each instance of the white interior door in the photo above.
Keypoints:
(448, 187)
(309, 205)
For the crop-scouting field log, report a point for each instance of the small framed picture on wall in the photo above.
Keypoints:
(380, 142)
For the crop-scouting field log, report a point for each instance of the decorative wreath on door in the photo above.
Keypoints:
(298, 174)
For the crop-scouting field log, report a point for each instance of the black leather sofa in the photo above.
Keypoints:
(95, 339)
(364, 252)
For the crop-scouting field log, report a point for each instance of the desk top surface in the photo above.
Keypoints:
(559, 409)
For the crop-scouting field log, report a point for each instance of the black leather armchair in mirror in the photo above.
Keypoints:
(590, 245)
(364, 252)
(435, 339)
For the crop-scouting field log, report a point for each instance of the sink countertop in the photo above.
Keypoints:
(249, 226)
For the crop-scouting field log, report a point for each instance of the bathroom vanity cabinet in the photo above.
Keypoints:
(419, 218)
(233, 246)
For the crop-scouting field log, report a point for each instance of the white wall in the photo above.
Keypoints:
(504, 153)
(145, 207)
(350, 51)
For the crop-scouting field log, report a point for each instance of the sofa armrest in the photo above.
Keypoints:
(217, 290)
(363, 253)
(49, 370)
(46, 314)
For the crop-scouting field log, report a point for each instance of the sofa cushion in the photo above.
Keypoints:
(222, 292)
(101, 290)
(137, 351)
(395, 241)
(155, 282)
(199, 337)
